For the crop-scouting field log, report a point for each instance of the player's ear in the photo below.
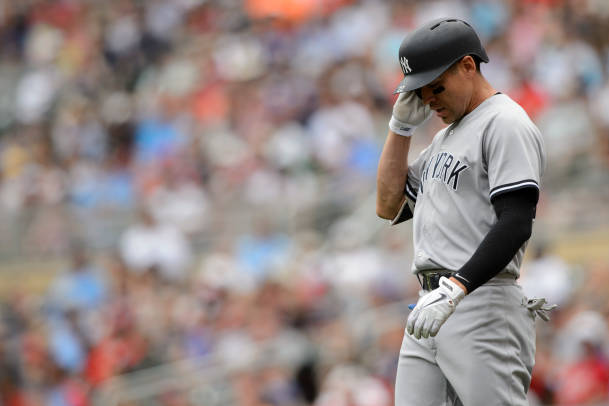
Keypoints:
(468, 65)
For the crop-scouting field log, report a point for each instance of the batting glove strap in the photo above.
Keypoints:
(433, 309)
(400, 128)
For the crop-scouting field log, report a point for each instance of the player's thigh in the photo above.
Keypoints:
(487, 350)
(419, 381)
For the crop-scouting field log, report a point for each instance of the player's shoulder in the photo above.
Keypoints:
(505, 111)
(507, 120)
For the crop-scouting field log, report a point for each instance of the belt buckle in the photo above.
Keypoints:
(430, 280)
(425, 279)
(435, 280)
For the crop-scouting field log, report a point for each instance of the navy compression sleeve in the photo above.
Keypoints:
(515, 213)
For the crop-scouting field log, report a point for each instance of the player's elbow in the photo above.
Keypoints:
(523, 230)
(387, 209)
(385, 213)
(388, 200)
(520, 230)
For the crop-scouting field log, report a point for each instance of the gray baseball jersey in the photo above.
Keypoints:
(494, 149)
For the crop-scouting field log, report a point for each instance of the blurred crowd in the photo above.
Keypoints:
(198, 164)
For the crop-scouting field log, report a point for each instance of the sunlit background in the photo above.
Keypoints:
(187, 197)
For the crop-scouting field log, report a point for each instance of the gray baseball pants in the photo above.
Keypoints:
(482, 356)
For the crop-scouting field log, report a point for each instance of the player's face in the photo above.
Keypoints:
(449, 95)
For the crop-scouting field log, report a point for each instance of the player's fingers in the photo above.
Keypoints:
(411, 321)
(405, 97)
(427, 327)
(435, 327)
(418, 326)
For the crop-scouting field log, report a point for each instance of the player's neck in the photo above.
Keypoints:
(482, 91)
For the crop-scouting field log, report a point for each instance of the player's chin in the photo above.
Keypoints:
(445, 116)
(448, 119)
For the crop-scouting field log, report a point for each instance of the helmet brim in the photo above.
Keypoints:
(417, 80)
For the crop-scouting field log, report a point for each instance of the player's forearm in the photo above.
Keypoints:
(515, 212)
(391, 175)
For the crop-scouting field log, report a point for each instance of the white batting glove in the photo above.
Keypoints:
(540, 308)
(408, 113)
(433, 309)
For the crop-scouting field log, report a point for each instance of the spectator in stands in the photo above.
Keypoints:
(148, 245)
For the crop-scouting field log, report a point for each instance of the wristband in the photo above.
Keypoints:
(400, 128)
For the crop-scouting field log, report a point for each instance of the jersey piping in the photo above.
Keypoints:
(411, 192)
(513, 186)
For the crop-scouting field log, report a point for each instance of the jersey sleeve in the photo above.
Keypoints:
(514, 154)
(411, 189)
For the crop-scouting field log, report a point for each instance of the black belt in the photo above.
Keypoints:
(430, 280)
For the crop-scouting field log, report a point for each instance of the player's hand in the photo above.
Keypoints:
(408, 113)
(433, 309)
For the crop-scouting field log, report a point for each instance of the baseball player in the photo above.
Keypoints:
(472, 195)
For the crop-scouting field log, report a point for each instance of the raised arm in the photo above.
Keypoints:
(391, 175)
(408, 112)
